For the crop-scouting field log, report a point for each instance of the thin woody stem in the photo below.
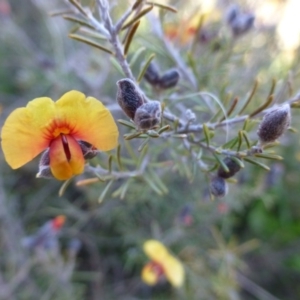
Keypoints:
(118, 48)
(114, 39)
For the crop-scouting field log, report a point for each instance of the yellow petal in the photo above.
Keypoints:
(149, 276)
(89, 120)
(155, 250)
(66, 158)
(24, 133)
(174, 271)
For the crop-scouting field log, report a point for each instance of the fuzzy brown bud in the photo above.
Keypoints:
(232, 13)
(242, 23)
(148, 115)
(88, 150)
(169, 79)
(274, 124)
(232, 165)
(129, 96)
(152, 74)
(218, 187)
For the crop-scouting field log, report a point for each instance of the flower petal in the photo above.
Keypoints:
(149, 276)
(155, 250)
(66, 158)
(24, 133)
(89, 120)
(174, 271)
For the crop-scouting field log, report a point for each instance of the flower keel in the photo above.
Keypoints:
(66, 158)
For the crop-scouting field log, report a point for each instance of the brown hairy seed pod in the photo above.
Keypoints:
(152, 74)
(274, 124)
(169, 79)
(148, 115)
(218, 187)
(232, 165)
(129, 96)
(88, 150)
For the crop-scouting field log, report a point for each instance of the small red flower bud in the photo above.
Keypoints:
(218, 187)
(274, 124)
(129, 96)
(148, 115)
(232, 165)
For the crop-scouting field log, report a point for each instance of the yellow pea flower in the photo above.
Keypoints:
(162, 264)
(59, 126)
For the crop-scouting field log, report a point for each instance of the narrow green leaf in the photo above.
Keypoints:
(163, 129)
(274, 82)
(152, 185)
(153, 133)
(142, 155)
(257, 163)
(119, 161)
(163, 6)
(245, 124)
(271, 145)
(238, 161)
(158, 181)
(131, 136)
(78, 6)
(64, 187)
(126, 123)
(60, 12)
(137, 17)
(121, 191)
(143, 144)
(221, 163)
(130, 150)
(89, 42)
(136, 4)
(231, 108)
(130, 36)
(145, 67)
(230, 144)
(268, 156)
(109, 164)
(262, 107)
(77, 20)
(240, 140)
(206, 132)
(136, 56)
(253, 91)
(104, 192)
(246, 138)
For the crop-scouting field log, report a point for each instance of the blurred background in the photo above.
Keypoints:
(243, 246)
